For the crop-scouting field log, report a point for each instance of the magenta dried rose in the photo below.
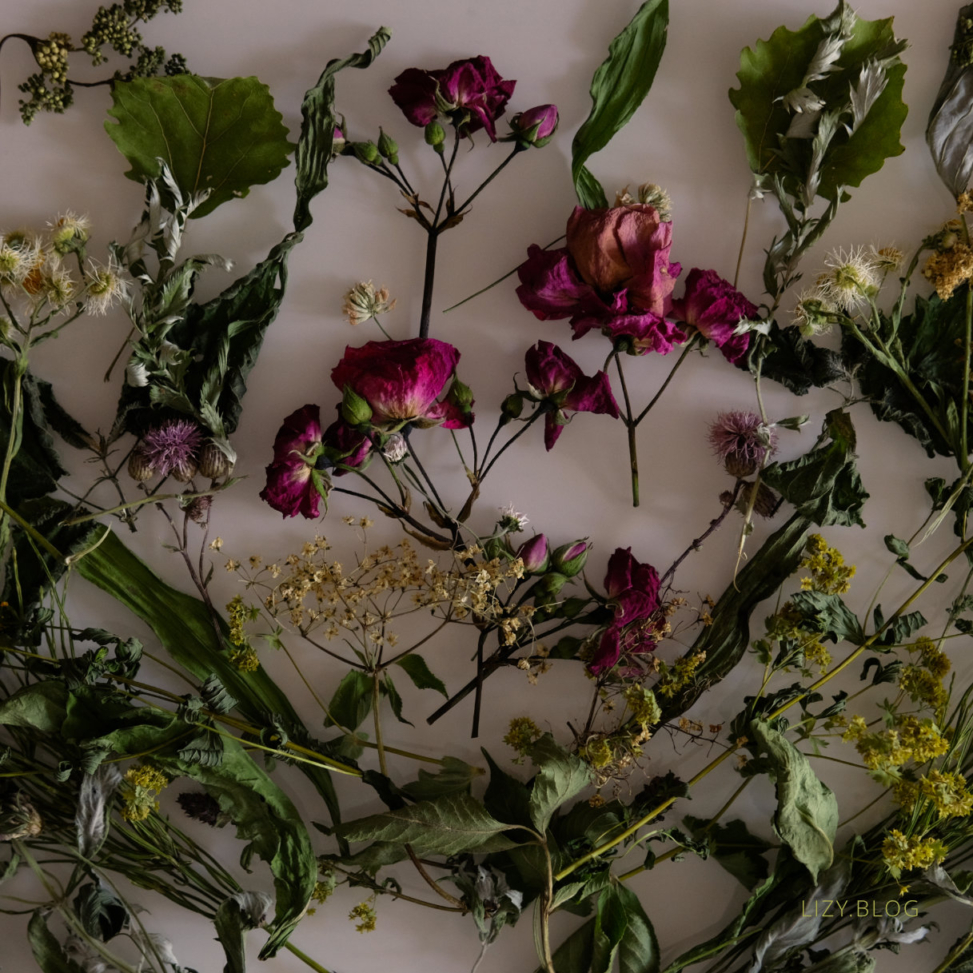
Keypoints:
(470, 92)
(536, 126)
(401, 381)
(714, 307)
(558, 380)
(633, 595)
(614, 275)
(290, 486)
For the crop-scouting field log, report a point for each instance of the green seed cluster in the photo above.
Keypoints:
(113, 28)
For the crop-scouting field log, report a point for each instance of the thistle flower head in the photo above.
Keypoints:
(172, 447)
(105, 287)
(850, 279)
(887, 260)
(69, 233)
(742, 442)
(21, 255)
(814, 312)
(363, 302)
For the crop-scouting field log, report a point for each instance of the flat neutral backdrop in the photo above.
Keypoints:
(683, 138)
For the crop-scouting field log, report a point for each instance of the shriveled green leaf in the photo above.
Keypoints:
(450, 825)
(454, 778)
(40, 706)
(776, 68)
(47, 950)
(101, 911)
(352, 700)
(317, 129)
(795, 362)
(824, 484)
(216, 136)
(617, 89)
(734, 847)
(560, 776)
(420, 674)
(807, 810)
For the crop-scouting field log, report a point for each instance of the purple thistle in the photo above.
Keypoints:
(742, 442)
(172, 448)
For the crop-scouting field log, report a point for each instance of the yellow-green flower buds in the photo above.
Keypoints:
(354, 409)
(435, 136)
(366, 152)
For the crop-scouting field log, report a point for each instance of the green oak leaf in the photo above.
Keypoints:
(774, 68)
(216, 136)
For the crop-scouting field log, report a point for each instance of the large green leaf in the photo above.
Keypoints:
(638, 951)
(617, 89)
(560, 776)
(187, 630)
(454, 778)
(574, 955)
(450, 825)
(317, 129)
(419, 672)
(807, 810)
(216, 136)
(775, 68)
(352, 701)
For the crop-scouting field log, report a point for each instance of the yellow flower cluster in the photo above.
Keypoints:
(902, 853)
(679, 675)
(828, 572)
(522, 733)
(363, 915)
(787, 625)
(244, 655)
(911, 739)
(946, 791)
(922, 681)
(142, 783)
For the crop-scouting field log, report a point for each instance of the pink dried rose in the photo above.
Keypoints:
(633, 595)
(714, 307)
(558, 381)
(291, 487)
(614, 276)
(470, 92)
(402, 381)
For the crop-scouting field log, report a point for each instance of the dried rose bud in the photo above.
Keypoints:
(197, 508)
(766, 503)
(201, 807)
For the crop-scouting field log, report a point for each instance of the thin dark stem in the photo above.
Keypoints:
(477, 699)
(631, 424)
(428, 281)
(655, 398)
(486, 182)
(482, 476)
(424, 474)
(713, 525)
